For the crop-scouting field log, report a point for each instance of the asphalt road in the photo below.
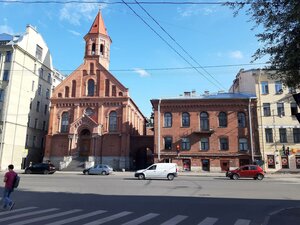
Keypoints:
(64, 198)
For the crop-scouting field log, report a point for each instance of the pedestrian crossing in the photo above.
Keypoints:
(56, 216)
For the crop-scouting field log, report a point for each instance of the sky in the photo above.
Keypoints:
(212, 45)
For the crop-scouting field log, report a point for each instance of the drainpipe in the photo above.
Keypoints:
(158, 130)
(250, 129)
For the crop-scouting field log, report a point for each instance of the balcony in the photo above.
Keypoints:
(203, 131)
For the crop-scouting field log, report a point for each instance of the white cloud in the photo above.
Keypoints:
(74, 13)
(193, 11)
(236, 54)
(6, 29)
(74, 32)
(141, 72)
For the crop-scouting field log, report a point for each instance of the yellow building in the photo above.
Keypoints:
(279, 129)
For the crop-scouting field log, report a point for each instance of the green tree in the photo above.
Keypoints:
(280, 20)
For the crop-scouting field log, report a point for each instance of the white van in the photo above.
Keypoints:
(158, 170)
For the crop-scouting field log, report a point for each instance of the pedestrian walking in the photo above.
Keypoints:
(9, 179)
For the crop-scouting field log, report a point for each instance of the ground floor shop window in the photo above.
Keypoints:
(271, 161)
(298, 162)
(285, 162)
(205, 164)
(186, 164)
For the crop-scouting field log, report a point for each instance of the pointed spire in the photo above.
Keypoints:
(98, 26)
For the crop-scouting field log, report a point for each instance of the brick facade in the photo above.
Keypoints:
(181, 137)
(92, 115)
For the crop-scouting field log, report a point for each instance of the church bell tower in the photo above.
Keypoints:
(97, 42)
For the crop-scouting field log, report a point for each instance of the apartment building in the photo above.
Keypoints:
(26, 82)
(210, 132)
(278, 128)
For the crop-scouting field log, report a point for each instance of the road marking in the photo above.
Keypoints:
(76, 218)
(46, 217)
(16, 210)
(175, 220)
(208, 221)
(141, 219)
(242, 222)
(109, 218)
(27, 214)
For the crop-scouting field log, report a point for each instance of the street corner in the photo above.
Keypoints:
(290, 216)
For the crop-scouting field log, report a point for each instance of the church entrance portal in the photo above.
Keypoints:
(84, 143)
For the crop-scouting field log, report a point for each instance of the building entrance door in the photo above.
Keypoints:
(224, 165)
(84, 143)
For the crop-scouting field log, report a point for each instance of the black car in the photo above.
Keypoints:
(42, 168)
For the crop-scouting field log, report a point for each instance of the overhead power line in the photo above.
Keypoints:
(164, 40)
(180, 46)
(121, 2)
(170, 68)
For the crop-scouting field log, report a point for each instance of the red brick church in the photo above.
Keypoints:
(92, 117)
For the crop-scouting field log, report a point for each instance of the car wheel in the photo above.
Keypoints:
(231, 178)
(170, 177)
(46, 171)
(260, 177)
(28, 171)
(103, 173)
(235, 176)
(141, 176)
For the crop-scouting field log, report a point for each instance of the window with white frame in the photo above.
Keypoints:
(243, 144)
(282, 135)
(168, 143)
(267, 109)
(39, 52)
(278, 87)
(204, 144)
(185, 144)
(269, 135)
(241, 120)
(264, 87)
(280, 108)
(185, 119)
(167, 119)
(224, 143)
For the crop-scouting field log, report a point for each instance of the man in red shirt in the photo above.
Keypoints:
(9, 179)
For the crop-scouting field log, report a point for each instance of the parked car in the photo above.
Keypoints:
(42, 168)
(247, 171)
(158, 170)
(99, 169)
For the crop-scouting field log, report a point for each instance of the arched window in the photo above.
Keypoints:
(241, 119)
(102, 49)
(67, 90)
(64, 122)
(93, 48)
(204, 123)
(73, 88)
(59, 95)
(91, 87)
(167, 119)
(113, 121)
(185, 119)
(222, 119)
(120, 93)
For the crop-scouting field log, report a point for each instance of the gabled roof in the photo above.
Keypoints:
(98, 26)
